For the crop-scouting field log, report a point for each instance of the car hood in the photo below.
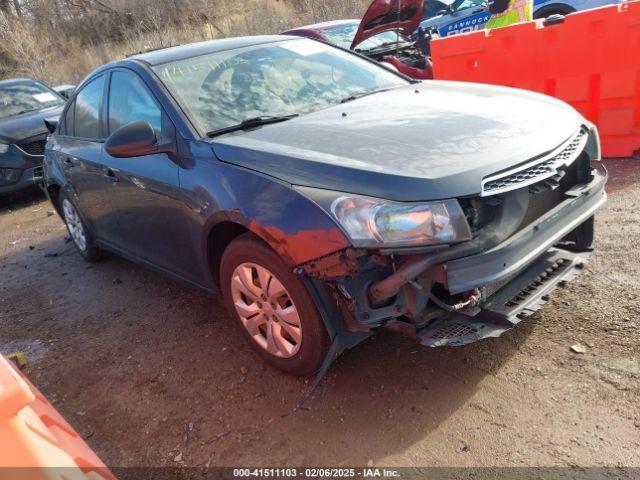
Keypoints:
(19, 127)
(421, 142)
(385, 15)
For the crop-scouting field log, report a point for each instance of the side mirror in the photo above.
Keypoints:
(134, 139)
(51, 124)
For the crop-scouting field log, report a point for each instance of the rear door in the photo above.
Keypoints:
(79, 152)
(144, 191)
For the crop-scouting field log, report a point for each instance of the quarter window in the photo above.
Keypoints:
(87, 110)
(130, 101)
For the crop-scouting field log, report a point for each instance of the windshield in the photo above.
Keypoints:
(222, 89)
(26, 97)
(342, 35)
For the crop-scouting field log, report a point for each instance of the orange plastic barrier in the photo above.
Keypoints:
(36, 443)
(591, 61)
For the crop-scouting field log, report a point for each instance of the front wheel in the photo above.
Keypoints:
(272, 307)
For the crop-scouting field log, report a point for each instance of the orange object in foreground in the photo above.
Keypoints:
(591, 61)
(36, 442)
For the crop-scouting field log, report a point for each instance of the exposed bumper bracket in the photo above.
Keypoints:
(518, 299)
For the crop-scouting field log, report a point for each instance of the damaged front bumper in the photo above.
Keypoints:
(520, 273)
(512, 280)
(519, 298)
(528, 244)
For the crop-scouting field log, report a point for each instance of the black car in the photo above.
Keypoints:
(24, 104)
(326, 196)
(64, 90)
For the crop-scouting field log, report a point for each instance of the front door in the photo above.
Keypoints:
(143, 192)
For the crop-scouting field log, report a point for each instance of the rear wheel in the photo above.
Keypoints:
(272, 307)
(78, 232)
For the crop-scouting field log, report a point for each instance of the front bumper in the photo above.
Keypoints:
(28, 167)
(519, 274)
(521, 249)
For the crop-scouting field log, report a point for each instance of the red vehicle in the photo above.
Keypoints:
(384, 34)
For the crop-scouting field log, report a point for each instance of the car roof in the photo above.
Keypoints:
(324, 25)
(14, 81)
(181, 52)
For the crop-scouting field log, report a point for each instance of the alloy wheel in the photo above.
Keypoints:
(266, 310)
(74, 225)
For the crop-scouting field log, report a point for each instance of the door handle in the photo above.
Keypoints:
(111, 175)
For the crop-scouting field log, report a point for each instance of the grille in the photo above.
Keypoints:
(453, 329)
(571, 150)
(539, 171)
(37, 173)
(515, 179)
(35, 147)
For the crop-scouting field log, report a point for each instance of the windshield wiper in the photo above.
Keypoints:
(355, 96)
(251, 123)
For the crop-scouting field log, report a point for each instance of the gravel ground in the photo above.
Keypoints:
(152, 373)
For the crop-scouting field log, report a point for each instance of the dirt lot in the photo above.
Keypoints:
(133, 360)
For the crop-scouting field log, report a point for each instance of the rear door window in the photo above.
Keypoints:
(87, 110)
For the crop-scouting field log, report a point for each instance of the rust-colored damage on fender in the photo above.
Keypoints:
(301, 247)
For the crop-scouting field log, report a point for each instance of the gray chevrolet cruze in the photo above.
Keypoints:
(324, 195)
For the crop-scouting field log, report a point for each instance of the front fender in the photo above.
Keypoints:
(295, 227)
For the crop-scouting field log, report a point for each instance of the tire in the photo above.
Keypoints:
(269, 317)
(80, 235)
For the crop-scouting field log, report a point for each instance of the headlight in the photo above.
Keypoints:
(4, 148)
(372, 222)
(593, 144)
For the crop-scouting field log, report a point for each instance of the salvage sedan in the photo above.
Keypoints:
(326, 196)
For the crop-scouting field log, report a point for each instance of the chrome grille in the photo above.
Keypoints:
(574, 148)
(539, 170)
(34, 148)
